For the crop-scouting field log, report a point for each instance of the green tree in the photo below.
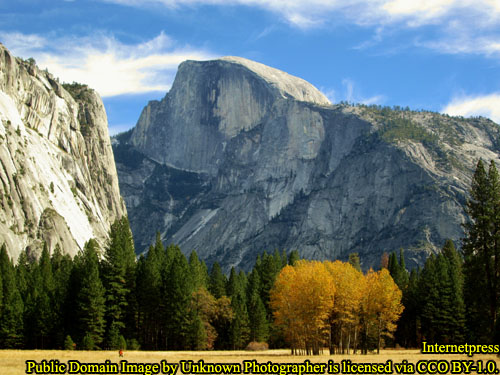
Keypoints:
(11, 322)
(150, 292)
(456, 328)
(90, 299)
(119, 279)
(293, 257)
(354, 261)
(178, 296)
(217, 282)
(258, 323)
(198, 271)
(62, 266)
(239, 328)
(482, 254)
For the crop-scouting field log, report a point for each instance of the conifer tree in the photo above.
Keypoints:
(408, 330)
(61, 268)
(239, 329)
(11, 324)
(429, 298)
(151, 293)
(217, 282)
(258, 323)
(178, 296)
(198, 271)
(456, 329)
(44, 314)
(354, 261)
(90, 298)
(482, 254)
(293, 257)
(119, 281)
(22, 271)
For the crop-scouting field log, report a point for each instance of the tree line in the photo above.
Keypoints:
(108, 299)
(454, 298)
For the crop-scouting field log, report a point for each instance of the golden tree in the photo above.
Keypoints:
(380, 305)
(302, 300)
(344, 318)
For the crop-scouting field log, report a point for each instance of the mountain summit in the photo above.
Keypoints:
(58, 178)
(240, 158)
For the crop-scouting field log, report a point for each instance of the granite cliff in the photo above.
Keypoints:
(239, 158)
(58, 177)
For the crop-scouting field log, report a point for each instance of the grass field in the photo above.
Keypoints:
(12, 362)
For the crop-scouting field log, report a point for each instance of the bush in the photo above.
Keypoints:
(88, 342)
(133, 344)
(68, 343)
(257, 346)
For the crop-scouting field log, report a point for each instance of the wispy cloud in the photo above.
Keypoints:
(105, 63)
(479, 20)
(480, 105)
(350, 94)
(315, 12)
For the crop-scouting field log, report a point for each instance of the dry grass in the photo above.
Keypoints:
(12, 362)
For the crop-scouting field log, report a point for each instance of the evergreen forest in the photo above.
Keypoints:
(106, 298)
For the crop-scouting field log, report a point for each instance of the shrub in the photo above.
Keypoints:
(68, 343)
(257, 346)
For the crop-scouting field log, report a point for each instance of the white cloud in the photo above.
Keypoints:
(104, 63)
(314, 12)
(350, 94)
(481, 105)
(475, 21)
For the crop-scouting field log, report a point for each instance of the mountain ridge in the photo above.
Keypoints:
(276, 172)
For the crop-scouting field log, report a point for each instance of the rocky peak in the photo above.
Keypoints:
(210, 103)
(286, 85)
(57, 170)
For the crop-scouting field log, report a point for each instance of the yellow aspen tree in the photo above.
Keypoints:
(344, 315)
(380, 305)
(302, 299)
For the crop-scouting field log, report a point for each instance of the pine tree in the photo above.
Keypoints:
(403, 272)
(354, 261)
(482, 254)
(217, 282)
(456, 329)
(178, 296)
(293, 257)
(268, 268)
(11, 324)
(90, 299)
(196, 332)
(119, 280)
(62, 266)
(198, 271)
(151, 297)
(239, 328)
(408, 331)
(258, 323)
(429, 299)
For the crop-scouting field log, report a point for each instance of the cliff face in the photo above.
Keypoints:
(239, 158)
(57, 171)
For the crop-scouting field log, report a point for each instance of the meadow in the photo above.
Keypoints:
(13, 362)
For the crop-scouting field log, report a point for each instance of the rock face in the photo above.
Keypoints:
(239, 158)
(57, 171)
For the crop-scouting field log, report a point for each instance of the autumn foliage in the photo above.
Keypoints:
(319, 304)
(302, 300)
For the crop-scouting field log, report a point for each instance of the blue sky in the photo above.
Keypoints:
(440, 55)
